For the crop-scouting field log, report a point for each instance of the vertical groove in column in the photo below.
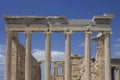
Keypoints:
(55, 71)
(112, 73)
(63, 70)
(87, 56)
(107, 57)
(100, 57)
(117, 74)
(14, 59)
(68, 55)
(8, 56)
(28, 57)
(48, 56)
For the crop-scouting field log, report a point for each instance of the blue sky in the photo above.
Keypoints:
(72, 9)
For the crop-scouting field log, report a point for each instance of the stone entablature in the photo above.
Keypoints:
(58, 23)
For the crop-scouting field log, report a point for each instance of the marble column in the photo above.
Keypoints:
(101, 58)
(63, 70)
(48, 56)
(112, 73)
(107, 57)
(8, 55)
(68, 55)
(87, 56)
(14, 57)
(55, 71)
(117, 74)
(28, 72)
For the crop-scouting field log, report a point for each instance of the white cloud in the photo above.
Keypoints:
(117, 54)
(55, 55)
(40, 55)
(118, 40)
(2, 59)
(117, 46)
(81, 45)
(2, 52)
(2, 49)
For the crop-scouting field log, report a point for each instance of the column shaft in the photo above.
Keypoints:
(28, 63)
(101, 58)
(14, 57)
(117, 74)
(67, 55)
(63, 70)
(48, 56)
(87, 56)
(107, 57)
(112, 73)
(55, 71)
(8, 56)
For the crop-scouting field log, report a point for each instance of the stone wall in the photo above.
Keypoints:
(21, 63)
(78, 69)
(18, 62)
(36, 69)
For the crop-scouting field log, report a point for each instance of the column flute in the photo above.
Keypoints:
(8, 55)
(68, 55)
(107, 57)
(87, 56)
(28, 63)
(48, 56)
(117, 73)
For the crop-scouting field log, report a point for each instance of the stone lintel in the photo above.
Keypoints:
(104, 17)
(60, 21)
(42, 28)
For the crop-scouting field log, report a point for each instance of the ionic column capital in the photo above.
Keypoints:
(28, 33)
(15, 35)
(47, 32)
(8, 34)
(68, 32)
(88, 32)
(107, 32)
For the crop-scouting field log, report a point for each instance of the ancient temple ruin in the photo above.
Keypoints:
(21, 65)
